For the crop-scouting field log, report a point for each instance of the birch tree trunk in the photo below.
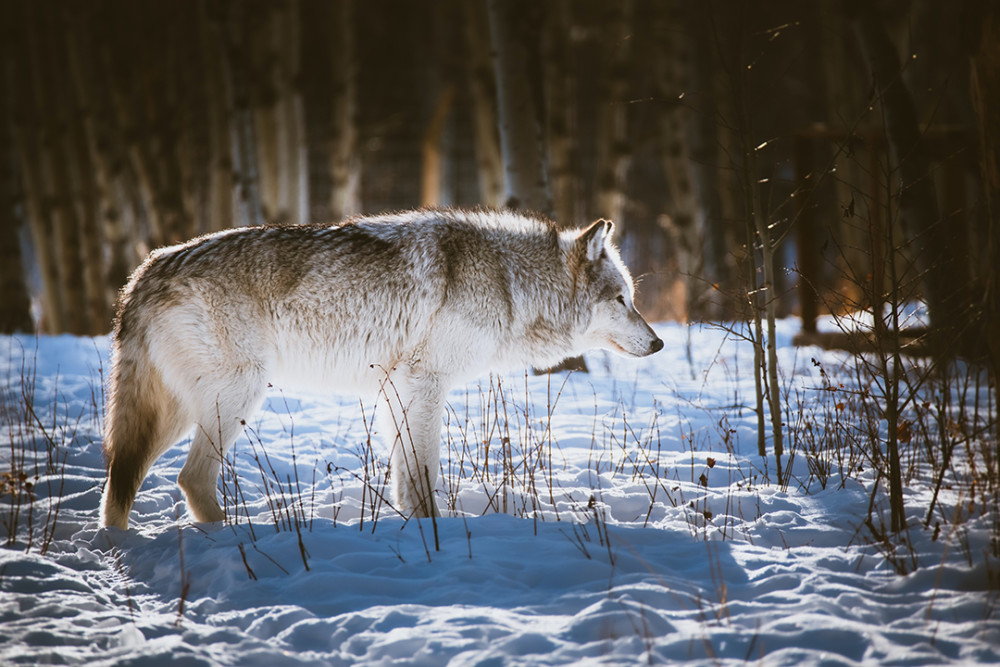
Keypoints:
(264, 99)
(116, 184)
(561, 111)
(56, 161)
(47, 75)
(278, 114)
(164, 120)
(28, 145)
(101, 144)
(431, 171)
(482, 88)
(296, 143)
(144, 96)
(82, 178)
(711, 145)
(194, 126)
(246, 196)
(526, 184)
(685, 216)
(613, 150)
(15, 303)
(985, 81)
(85, 202)
(220, 162)
(345, 162)
(127, 125)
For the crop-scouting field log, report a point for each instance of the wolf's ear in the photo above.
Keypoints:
(595, 237)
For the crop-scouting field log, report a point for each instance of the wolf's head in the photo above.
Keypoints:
(601, 276)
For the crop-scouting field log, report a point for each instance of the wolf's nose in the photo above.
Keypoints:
(655, 346)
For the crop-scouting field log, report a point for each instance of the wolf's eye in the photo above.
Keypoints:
(620, 299)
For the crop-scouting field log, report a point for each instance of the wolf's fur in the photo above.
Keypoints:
(402, 306)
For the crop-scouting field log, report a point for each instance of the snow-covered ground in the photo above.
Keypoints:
(619, 516)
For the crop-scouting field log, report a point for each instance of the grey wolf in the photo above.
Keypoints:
(400, 307)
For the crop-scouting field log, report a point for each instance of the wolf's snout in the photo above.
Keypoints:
(656, 346)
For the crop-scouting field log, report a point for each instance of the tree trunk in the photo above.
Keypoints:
(116, 189)
(985, 80)
(87, 208)
(57, 230)
(113, 211)
(526, 185)
(87, 182)
(129, 128)
(430, 185)
(246, 195)
(613, 149)
(807, 237)
(28, 131)
(220, 162)
(685, 215)
(91, 249)
(296, 143)
(345, 162)
(143, 98)
(264, 100)
(482, 88)
(712, 144)
(58, 156)
(40, 224)
(277, 113)
(164, 120)
(927, 235)
(15, 302)
(561, 111)
(194, 126)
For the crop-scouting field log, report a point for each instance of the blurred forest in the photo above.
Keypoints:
(814, 156)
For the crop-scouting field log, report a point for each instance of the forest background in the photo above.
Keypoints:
(745, 149)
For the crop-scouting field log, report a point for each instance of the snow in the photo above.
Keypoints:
(615, 517)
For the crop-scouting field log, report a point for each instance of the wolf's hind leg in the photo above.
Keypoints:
(214, 435)
(143, 421)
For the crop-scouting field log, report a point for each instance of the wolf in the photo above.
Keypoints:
(400, 307)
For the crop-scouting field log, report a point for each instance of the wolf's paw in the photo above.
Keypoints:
(205, 510)
(425, 509)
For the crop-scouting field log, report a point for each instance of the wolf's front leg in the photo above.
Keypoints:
(410, 415)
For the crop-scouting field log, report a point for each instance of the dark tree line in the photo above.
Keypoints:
(707, 131)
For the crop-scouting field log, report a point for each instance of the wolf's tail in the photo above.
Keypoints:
(137, 429)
